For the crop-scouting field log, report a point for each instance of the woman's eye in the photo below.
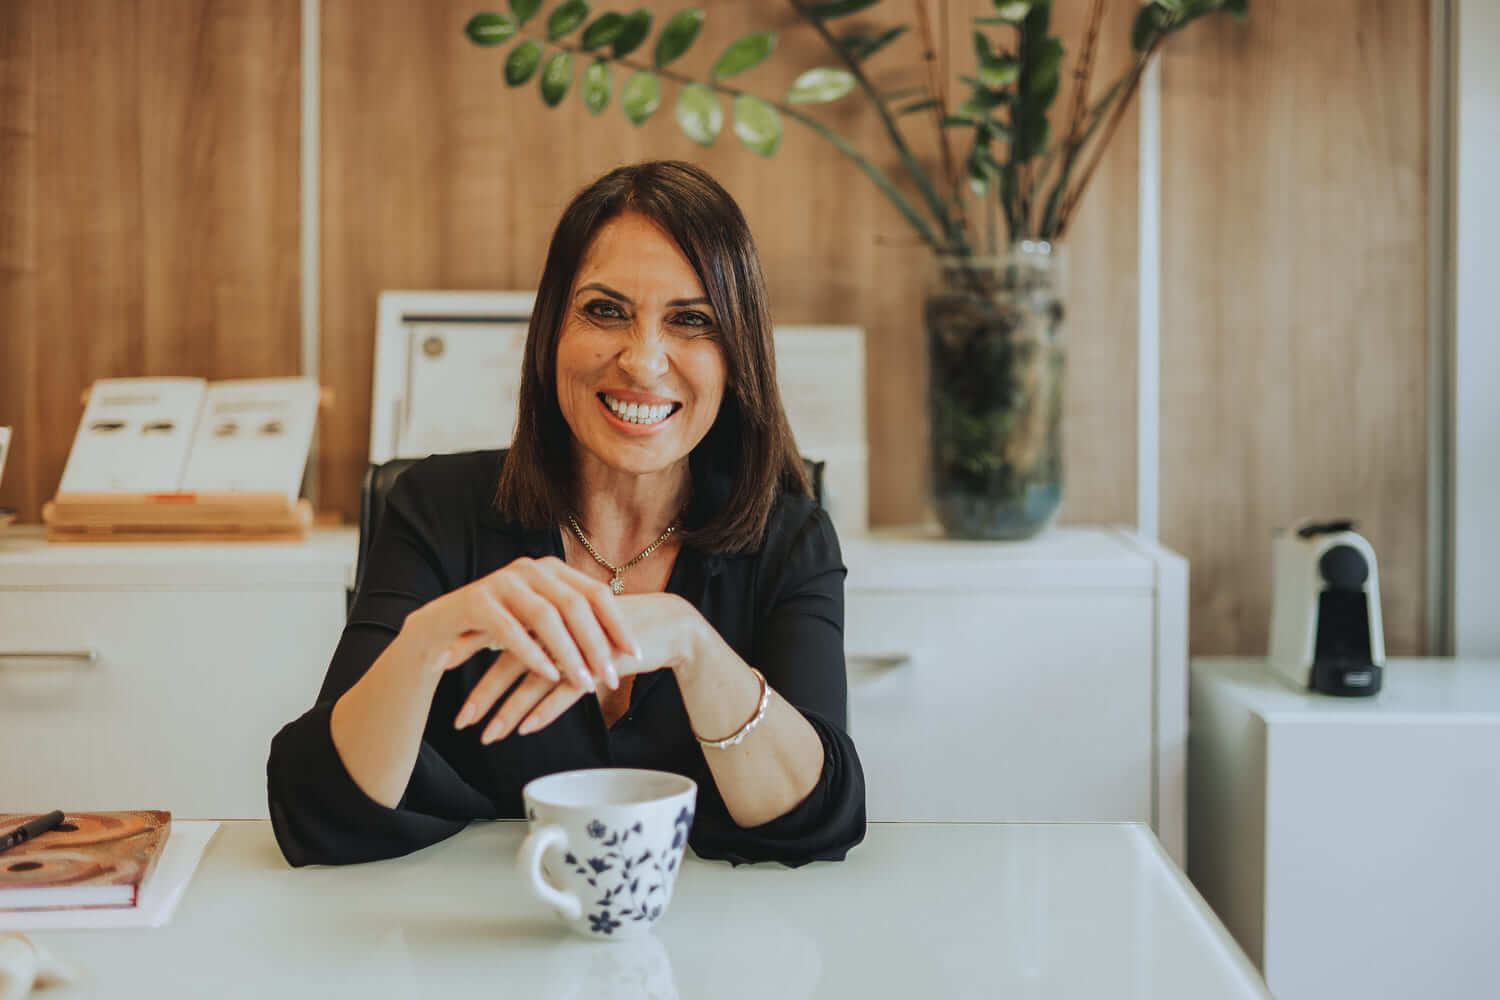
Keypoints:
(603, 310)
(693, 319)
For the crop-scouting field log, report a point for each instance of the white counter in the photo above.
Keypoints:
(919, 910)
(1349, 843)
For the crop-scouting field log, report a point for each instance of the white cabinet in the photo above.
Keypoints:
(1349, 843)
(1037, 680)
(154, 675)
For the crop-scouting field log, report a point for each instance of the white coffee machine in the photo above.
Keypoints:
(1326, 632)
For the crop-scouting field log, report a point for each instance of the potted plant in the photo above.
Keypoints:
(1013, 166)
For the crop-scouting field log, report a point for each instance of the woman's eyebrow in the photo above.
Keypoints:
(622, 297)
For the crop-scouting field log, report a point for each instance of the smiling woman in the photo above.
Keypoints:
(642, 580)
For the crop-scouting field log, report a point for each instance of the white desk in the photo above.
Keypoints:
(1018, 911)
(1350, 843)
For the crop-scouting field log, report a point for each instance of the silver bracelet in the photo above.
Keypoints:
(760, 713)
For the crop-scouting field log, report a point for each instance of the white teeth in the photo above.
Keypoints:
(638, 413)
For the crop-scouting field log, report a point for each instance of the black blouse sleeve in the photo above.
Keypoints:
(319, 814)
(800, 649)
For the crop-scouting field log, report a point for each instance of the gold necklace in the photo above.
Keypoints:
(617, 585)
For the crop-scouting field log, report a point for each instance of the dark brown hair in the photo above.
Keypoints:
(748, 456)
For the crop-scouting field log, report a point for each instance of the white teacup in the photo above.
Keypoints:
(605, 846)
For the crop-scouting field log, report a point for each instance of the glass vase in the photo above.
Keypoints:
(996, 360)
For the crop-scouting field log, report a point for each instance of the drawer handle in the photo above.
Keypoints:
(877, 663)
(83, 657)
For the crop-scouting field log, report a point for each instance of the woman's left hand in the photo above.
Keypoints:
(665, 628)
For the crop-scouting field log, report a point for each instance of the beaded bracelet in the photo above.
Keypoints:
(760, 713)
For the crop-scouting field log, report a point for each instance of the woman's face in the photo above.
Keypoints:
(640, 368)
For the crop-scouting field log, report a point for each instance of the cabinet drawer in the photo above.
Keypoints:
(1002, 705)
(177, 710)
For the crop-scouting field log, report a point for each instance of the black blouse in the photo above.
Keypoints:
(781, 609)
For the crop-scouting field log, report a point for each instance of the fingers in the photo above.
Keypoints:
(581, 618)
(503, 673)
(521, 701)
(606, 610)
(515, 638)
(466, 645)
(554, 704)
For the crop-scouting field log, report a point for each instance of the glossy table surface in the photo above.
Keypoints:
(918, 910)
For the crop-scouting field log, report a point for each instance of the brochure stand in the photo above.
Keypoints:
(208, 516)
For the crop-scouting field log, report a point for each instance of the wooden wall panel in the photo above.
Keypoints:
(18, 209)
(1294, 286)
(155, 175)
(436, 175)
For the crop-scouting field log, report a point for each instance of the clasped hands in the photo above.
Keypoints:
(561, 635)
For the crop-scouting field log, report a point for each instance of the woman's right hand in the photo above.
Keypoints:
(544, 614)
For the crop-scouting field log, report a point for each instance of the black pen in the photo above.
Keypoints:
(26, 831)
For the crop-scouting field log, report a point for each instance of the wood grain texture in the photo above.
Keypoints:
(152, 149)
(18, 210)
(1295, 249)
(436, 175)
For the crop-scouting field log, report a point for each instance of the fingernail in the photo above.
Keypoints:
(635, 649)
(528, 727)
(585, 680)
(465, 718)
(491, 734)
(611, 675)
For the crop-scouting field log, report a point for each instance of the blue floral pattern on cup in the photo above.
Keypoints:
(632, 883)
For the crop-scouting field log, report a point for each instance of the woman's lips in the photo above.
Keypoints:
(627, 417)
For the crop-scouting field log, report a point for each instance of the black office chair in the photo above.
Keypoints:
(381, 476)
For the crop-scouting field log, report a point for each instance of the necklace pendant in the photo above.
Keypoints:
(617, 585)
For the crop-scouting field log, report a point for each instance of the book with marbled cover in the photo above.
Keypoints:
(94, 859)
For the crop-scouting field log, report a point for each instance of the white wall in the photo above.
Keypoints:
(1476, 381)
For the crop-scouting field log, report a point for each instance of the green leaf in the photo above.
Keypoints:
(1012, 11)
(923, 105)
(842, 8)
(861, 46)
(956, 121)
(637, 27)
(524, 10)
(757, 124)
(565, 18)
(699, 115)
(1149, 23)
(744, 53)
(979, 176)
(557, 77)
(605, 29)
(1001, 72)
(982, 49)
(489, 28)
(595, 86)
(1237, 9)
(522, 62)
(678, 35)
(1045, 69)
(819, 86)
(641, 96)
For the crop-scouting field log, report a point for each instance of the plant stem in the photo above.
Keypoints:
(935, 85)
(918, 173)
(1049, 225)
(881, 179)
(1132, 81)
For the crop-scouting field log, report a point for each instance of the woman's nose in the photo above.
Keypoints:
(644, 359)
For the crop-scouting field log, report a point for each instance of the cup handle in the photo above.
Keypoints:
(530, 860)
